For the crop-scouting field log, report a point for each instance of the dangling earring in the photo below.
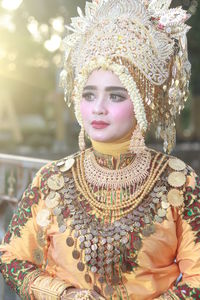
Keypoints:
(137, 143)
(81, 139)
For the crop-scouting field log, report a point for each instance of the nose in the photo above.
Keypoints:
(100, 107)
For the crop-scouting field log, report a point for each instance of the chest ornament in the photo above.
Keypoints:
(106, 238)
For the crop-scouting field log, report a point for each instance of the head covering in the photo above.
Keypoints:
(144, 43)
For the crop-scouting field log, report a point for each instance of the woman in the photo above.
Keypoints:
(117, 220)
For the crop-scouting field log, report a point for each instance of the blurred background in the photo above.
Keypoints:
(34, 120)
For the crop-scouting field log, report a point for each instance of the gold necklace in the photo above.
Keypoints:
(128, 180)
(85, 188)
(132, 175)
(126, 206)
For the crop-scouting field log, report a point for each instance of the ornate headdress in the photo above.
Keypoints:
(144, 43)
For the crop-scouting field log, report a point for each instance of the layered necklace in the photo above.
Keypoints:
(105, 236)
(106, 245)
(118, 198)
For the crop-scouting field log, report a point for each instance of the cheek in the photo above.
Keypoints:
(122, 111)
(85, 109)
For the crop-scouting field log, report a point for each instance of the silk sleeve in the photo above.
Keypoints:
(23, 252)
(188, 251)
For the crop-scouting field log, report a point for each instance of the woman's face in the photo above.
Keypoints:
(106, 108)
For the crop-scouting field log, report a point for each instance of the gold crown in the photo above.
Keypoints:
(145, 44)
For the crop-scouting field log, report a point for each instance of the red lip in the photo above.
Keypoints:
(99, 124)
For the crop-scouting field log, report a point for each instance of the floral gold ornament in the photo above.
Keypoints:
(177, 164)
(144, 43)
(56, 182)
(175, 198)
(177, 179)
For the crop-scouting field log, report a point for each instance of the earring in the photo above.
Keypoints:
(137, 143)
(81, 139)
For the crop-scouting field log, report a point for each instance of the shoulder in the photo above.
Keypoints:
(175, 164)
(54, 172)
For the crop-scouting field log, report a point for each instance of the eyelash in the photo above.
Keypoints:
(121, 98)
(85, 95)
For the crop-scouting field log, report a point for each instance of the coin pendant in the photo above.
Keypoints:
(151, 229)
(68, 165)
(161, 212)
(88, 279)
(146, 220)
(158, 219)
(164, 204)
(81, 266)
(101, 280)
(176, 179)
(93, 269)
(70, 241)
(156, 200)
(177, 164)
(62, 228)
(55, 182)
(52, 200)
(175, 198)
(164, 198)
(76, 254)
(57, 211)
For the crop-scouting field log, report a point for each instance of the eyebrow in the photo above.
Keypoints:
(107, 89)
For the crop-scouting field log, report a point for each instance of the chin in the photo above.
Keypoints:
(99, 139)
(103, 139)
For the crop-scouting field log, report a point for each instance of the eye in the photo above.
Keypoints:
(88, 96)
(117, 97)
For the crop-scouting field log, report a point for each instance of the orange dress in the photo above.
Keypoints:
(157, 242)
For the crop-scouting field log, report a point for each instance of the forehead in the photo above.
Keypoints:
(103, 78)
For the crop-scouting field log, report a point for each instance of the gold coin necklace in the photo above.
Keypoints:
(89, 237)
